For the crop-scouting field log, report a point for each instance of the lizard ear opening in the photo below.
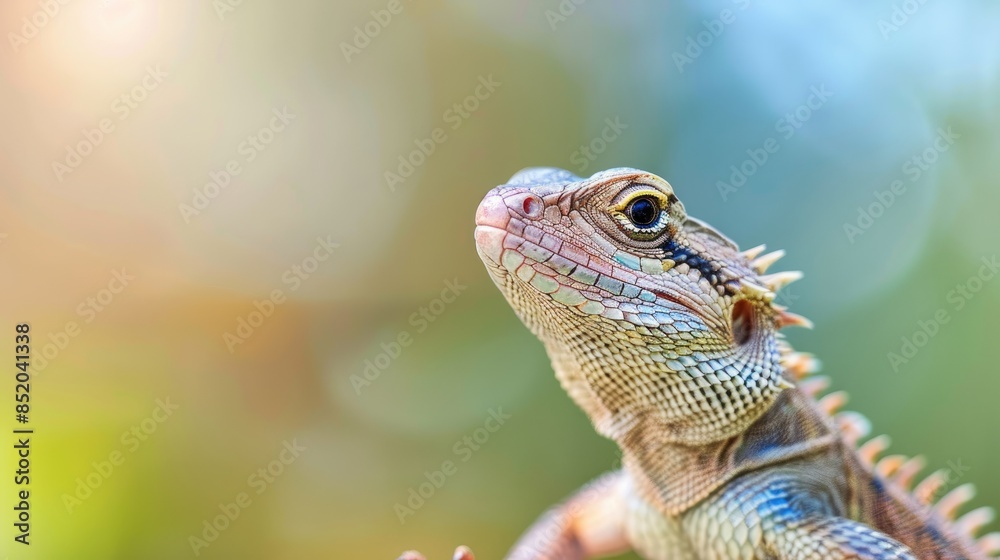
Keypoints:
(742, 322)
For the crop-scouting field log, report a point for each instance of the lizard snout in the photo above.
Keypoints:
(501, 203)
(492, 218)
(493, 212)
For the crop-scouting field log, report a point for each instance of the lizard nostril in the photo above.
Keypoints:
(743, 322)
(530, 206)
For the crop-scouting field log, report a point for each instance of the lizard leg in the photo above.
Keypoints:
(836, 538)
(591, 524)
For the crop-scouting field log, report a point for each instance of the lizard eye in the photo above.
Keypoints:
(643, 211)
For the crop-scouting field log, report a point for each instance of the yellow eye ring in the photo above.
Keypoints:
(642, 215)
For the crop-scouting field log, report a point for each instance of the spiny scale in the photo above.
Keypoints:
(887, 466)
(874, 447)
(930, 486)
(751, 254)
(761, 264)
(788, 319)
(854, 426)
(757, 291)
(908, 472)
(972, 522)
(990, 543)
(947, 506)
(833, 402)
(773, 283)
(779, 280)
(814, 385)
(800, 364)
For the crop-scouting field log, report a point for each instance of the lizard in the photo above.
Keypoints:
(669, 337)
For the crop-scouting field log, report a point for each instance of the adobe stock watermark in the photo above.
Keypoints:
(787, 296)
(292, 278)
(463, 449)
(224, 7)
(455, 116)
(958, 299)
(258, 481)
(586, 154)
(901, 15)
(787, 126)
(420, 320)
(88, 310)
(93, 137)
(914, 168)
(365, 33)
(696, 45)
(250, 148)
(32, 25)
(951, 475)
(565, 10)
(131, 440)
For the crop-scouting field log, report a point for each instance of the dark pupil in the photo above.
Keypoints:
(643, 212)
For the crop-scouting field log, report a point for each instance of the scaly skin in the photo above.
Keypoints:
(666, 335)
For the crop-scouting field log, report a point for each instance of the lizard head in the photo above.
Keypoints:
(652, 319)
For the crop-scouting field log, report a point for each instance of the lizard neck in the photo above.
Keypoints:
(632, 392)
(673, 477)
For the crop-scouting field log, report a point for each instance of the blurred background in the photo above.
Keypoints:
(241, 232)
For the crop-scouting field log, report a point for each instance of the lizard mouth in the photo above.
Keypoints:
(494, 244)
(489, 242)
(492, 219)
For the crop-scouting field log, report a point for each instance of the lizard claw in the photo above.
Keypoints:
(461, 553)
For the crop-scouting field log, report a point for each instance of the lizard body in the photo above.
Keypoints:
(667, 336)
